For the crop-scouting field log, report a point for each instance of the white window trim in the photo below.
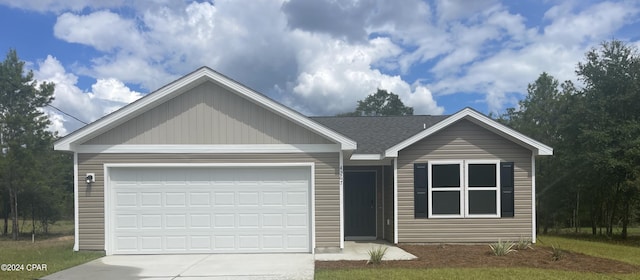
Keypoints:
(467, 188)
(463, 189)
(430, 188)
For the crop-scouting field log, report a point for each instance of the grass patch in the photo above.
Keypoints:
(464, 273)
(56, 253)
(57, 229)
(54, 249)
(633, 238)
(622, 253)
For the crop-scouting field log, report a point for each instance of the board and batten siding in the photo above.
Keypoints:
(327, 191)
(464, 140)
(208, 114)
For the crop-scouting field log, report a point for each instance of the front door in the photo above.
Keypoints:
(360, 204)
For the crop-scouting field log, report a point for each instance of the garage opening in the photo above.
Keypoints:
(165, 210)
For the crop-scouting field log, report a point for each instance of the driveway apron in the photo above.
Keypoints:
(183, 267)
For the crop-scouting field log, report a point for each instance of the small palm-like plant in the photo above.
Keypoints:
(502, 248)
(556, 253)
(376, 255)
(523, 244)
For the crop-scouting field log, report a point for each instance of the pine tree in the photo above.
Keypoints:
(23, 130)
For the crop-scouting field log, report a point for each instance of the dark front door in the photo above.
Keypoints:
(360, 204)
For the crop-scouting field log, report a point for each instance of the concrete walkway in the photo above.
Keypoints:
(220, 266)
(187, 267)
(359, 251)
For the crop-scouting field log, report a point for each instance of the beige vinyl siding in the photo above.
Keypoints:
(208, 114)
(388, 203)
(91, 200)
(464, 140)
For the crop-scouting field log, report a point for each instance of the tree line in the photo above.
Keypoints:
(36, 183)
(593, 178)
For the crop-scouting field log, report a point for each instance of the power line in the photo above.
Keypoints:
(54, 107)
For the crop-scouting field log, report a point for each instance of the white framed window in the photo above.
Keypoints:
(464, 189)
(446, 189)
(482, 188)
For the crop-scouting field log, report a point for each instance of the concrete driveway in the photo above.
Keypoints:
(184, 267)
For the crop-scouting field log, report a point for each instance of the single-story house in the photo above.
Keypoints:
(207, 165)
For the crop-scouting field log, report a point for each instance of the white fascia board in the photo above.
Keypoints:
(365, 157)
(476, 117)
(179, 86)
(209, 149)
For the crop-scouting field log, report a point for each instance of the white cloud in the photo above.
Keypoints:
(113, 90)
(334, 75)
(57, 5)
(102, 30)
(107, 95)
(290, 50)
(592, 24)
(522, 54)
(449, 10)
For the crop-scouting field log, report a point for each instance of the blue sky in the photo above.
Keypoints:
(318, 57)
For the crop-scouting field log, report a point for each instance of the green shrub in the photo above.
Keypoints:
(502, 248)
(376, 255)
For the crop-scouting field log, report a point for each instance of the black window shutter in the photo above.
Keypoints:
(506, 189)
(420, 190)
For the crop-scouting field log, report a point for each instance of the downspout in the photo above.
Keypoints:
(533, 197)
(76, 218)
(395, 200)
(341, 178)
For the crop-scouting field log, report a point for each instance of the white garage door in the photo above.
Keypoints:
(209, 210)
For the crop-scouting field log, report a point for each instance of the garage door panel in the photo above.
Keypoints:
(274, 220)
(251, 210)
(151, 243)
(125, 199)
(297, 198)
(151, 221)
(176, 199)
(176, 221)
(297, 220)
(297, 241)
(200, 221)
(202, 242)
(248, 198)
(149, 199)
(200, 199)
(248, 221)
(224, 198)
(124, 221)
(127, 243)
(176, 243)
(248, 242)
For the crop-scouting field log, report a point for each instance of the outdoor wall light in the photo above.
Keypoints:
(91, 178)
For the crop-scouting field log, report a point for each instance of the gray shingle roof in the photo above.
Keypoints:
(376, 134)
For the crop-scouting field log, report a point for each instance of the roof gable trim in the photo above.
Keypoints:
(479, 118)
(209, 149)
(175, 88)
